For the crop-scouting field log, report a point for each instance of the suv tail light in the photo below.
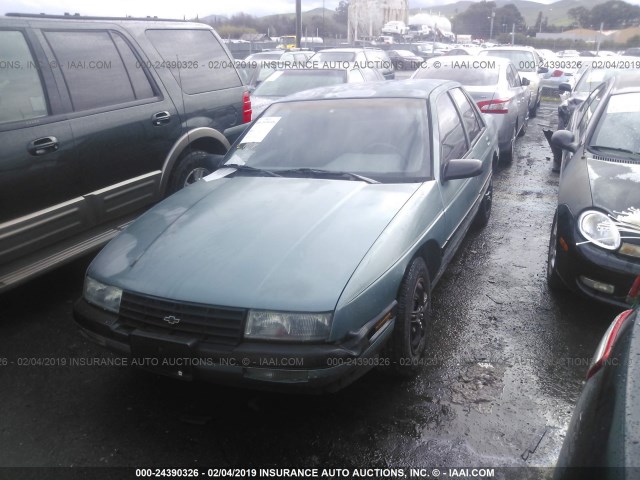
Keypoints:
(494, 106)
(246, 107)
(557, 73)
(606, 344)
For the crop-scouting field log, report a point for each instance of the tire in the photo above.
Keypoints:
(534, 111)
(412, 320)
(191, 167)
(507, 156)
(553, 279)
(484, 212)
(523, 130)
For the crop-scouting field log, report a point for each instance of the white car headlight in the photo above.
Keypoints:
(101, 295)
(599, 229)
(287, 326)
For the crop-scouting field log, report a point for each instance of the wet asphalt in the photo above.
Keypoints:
(505, 364)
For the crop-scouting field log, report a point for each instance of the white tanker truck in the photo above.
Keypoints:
(424, 25)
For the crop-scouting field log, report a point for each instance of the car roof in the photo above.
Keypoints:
(348, 50)
(421, 89)
(444, 60)
(512, 47)
(626, 81)
(128, 23)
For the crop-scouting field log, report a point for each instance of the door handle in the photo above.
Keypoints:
(161, 118)
(44, 145)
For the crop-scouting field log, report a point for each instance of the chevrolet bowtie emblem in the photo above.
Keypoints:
(171, 320)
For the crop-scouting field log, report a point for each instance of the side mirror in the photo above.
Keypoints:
(525, 82)
(543, 70)
(565, 140)
(462, 168)
(564, 87)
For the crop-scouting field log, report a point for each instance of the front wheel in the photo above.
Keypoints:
(484, 212)
(534, 111)
(507, 156)
(191, 168)
(413, 319)
(553, 279)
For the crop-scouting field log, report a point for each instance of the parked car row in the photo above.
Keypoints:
(323, 248)
(595, 240)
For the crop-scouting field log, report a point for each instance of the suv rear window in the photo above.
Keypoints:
(196, 59)
(94, 70)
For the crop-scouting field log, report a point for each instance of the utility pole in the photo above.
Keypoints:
(298, 22)
(513, 34)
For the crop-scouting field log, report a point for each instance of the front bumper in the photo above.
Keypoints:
(312, 368)
(594, 263)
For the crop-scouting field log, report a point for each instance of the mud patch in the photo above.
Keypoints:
(478, 386)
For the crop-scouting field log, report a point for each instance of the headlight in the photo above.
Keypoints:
(287, 326)
(101, 295)
(599, 229)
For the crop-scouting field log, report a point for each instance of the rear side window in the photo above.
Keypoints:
(94, 69)
(21, 92)
(453, 143)
(196, 59)
(469, 118)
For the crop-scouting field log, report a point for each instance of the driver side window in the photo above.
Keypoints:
(453, 143)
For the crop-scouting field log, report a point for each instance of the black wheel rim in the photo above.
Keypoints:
(419, 313)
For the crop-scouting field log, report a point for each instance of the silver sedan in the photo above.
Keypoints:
(495, 85)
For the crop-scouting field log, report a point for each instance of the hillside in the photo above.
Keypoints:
(556, 12)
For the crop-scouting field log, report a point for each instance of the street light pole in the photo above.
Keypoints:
(493, 15)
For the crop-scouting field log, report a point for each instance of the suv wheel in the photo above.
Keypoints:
(191, 168)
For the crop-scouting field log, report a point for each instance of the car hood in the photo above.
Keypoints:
(615, 187)
(259, 104)
(254, 242)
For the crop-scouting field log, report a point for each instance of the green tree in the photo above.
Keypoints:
(342, 12)
(475, 20)
(510, 15)
(580, 15)
(614, 14)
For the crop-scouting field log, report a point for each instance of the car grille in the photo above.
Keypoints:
(221, 325)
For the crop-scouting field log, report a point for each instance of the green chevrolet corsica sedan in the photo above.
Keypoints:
(309, 257)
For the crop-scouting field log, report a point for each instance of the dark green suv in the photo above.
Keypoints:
(99, 119)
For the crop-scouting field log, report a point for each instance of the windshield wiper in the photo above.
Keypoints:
(329, 173)
(247, 168)
(614, 149)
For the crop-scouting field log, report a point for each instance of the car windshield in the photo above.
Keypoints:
(523, 60)
(470, 77)
(592, 78)
(619, 126)
(384, 139)
(286, 82)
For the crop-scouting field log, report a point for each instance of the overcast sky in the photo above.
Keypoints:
(185, 8)
(182, 8)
